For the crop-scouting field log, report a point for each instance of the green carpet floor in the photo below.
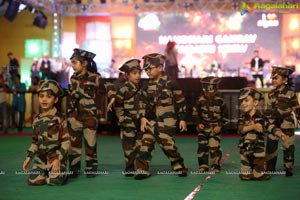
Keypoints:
(113, 185)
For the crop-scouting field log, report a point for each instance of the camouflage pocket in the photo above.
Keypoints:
(165, 93)
(89, 90)
(90, 122)
(283, 102)
(53, 130)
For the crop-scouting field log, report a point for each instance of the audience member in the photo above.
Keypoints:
(3, 105)
(18, 102)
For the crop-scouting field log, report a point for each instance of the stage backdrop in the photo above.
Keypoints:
(207, 40)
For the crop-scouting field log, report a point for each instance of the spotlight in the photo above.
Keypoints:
(40, 20)
(22, 7)
(2, 2)
(136, 7)
(31, 9)
(12, 10)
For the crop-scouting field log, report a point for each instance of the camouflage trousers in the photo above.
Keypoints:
(166, 143)
(209, 144)
(87, 130)
(288, 150)
(252, 164)
(130, 139)
(41, 173)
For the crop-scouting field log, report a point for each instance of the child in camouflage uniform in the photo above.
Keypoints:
(252, 142)
(50, 140)
(127, 106)
(282, 103)
(212, 116)
(82, 114)
(164, 102)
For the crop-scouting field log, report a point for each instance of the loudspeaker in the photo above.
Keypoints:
(12, 10)
(231, 99)
(40, 20)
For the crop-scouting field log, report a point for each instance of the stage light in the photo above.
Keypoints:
(34, 48)
(149, 22)
(103, 1)
(12, 10)
(22, 7)
(31, 9)
(40, 20)
(2, 2)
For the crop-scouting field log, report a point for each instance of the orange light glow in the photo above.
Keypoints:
(294, 24)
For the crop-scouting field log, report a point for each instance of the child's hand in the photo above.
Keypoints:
(55, 165)
(258, 127)
(182, 126)
(110, 104)
(217, 129)
(26, 164)
(280, 134)
(201, 126)
(122, 119)
(144, 123)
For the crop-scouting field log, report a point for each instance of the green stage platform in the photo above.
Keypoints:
(112, 184)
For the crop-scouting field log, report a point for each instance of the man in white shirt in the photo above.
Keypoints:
(257, 68)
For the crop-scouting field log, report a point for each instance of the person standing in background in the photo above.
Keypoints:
(3, 105)
(257, 65)
(35, 108)
(35, 71)
(56, 68)
(65, 71)
(18, 103)
(13, 65)
(171, 64)
(45, 67)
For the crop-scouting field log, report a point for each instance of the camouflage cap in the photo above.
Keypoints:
(248, 91)
(83, 53)
(281, 70)
(153, 59)
(210, 83)
(130, 65)
(52, 86)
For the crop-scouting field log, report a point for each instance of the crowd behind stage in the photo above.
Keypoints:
(60, 69)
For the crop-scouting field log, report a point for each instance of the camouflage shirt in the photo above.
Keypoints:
(246, 120)
(110, 89)
(83, 90)
(128, 101)
(279, 110)
(50, 137)
(166, 100)
(212, 111)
